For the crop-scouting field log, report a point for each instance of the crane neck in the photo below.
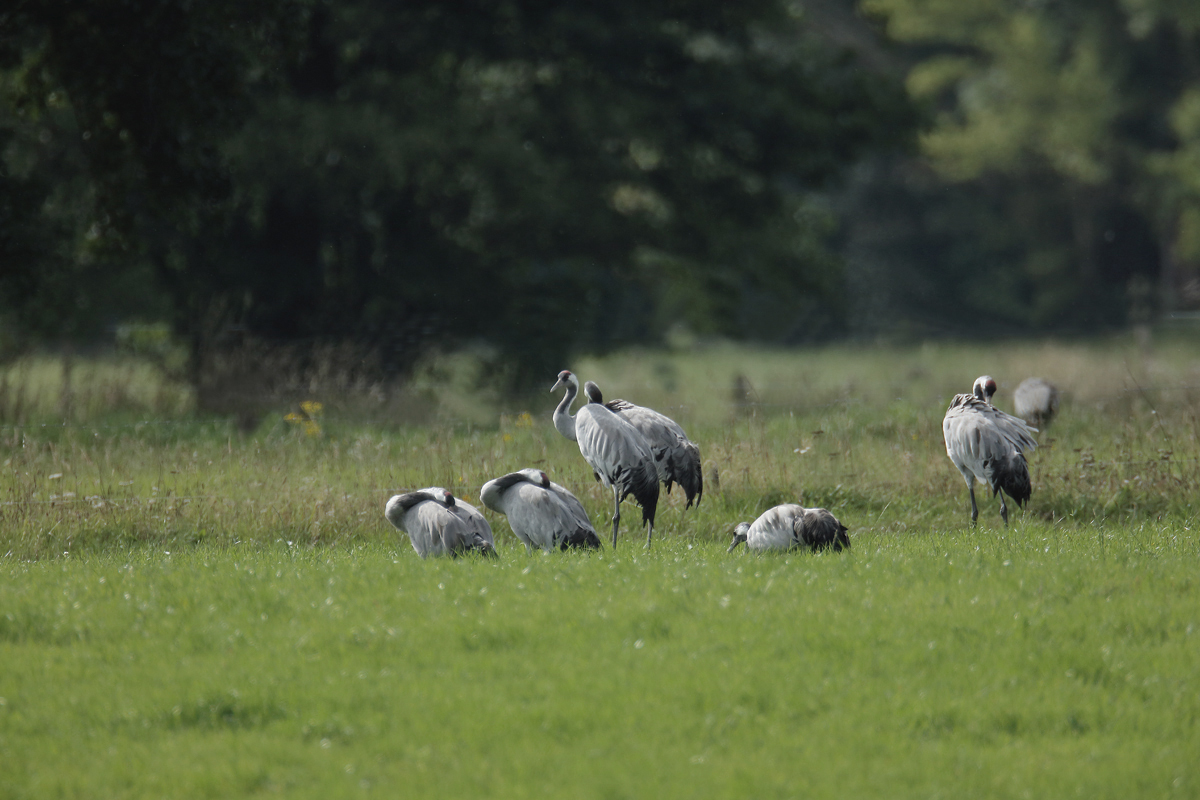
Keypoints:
(562, 415)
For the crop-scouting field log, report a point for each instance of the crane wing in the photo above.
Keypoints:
(984, 431)
(773, 528)
(985, 442)
(676, 458)
(817, 528)
(581, 533)
(619, 455)
(469, 530)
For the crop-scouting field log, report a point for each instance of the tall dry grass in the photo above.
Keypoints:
(854, 429)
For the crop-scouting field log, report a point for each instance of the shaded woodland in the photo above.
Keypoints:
(533, 180)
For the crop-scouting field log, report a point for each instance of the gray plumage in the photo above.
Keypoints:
(789, 526)
(988, 445)
(439, 524)
(1036, 401)
(676, 457)
(542, 513)
(619, 456)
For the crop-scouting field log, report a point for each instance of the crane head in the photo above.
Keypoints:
(985, 387)
(447, 499)
(739, 535)
(534, 476)
(593, 393)
(565, 378)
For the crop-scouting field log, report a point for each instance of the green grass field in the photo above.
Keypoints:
(190, 611)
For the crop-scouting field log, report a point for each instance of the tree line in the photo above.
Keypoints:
(539, 179)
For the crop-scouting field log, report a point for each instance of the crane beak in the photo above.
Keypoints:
(739, 535)
(557, 384)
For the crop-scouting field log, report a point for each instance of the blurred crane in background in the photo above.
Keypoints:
(1036, 401)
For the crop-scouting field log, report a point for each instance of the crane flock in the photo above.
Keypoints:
(632, 449)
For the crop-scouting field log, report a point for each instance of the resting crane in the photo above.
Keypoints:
(676, 457)
(438, 524)
(988, 445)
(619, 456)
(791, 526)
(542, 513)
(1036, 401)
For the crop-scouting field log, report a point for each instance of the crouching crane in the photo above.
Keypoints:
(676, 457)
(791, 526)
(619, 456)
(438, 524)
(542, 513)
(988, 445)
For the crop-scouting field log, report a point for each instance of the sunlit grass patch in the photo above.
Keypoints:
(39, 389)
(908, 666)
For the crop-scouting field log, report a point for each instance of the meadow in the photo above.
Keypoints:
(190, 609)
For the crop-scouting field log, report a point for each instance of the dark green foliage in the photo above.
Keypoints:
(111, 118)
(1057, 188)
(535, 176)
(544, 178)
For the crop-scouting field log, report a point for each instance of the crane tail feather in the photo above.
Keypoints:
(583, 539)
(643, 485)
(1011, 476)
(819, 529)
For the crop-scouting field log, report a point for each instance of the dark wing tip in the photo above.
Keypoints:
(1011, 476)
(819, 528)
(582, 539)
(644, 488)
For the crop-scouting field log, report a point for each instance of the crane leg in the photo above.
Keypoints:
(974, 507)
(1003, 509)
(616, 514)
(649, 535)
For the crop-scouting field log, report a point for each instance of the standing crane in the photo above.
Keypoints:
(542, 513)
(619, 456)
(1036, 401)
(988, 445)
(792, 526)
(676, 457)
(439, 524)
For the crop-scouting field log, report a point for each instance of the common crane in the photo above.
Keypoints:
(542, 513)
(1036, 401)
(619, 456)
(988, 445)
(792, 526)
(439, 524)
(676, 457)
